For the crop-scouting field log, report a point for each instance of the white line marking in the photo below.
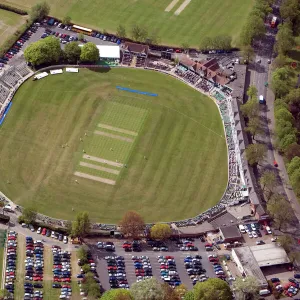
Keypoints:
(108, 170)
(95, 178)
(171, 5)
(114, 136)
(182, 7)
(101, 160)
(117, 129)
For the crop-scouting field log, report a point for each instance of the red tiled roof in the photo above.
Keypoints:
(187, 61)
(136, 48)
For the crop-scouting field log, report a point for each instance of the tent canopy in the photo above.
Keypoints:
(109, 51)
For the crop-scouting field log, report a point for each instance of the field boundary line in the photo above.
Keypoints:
(104, 161)
(182, 7)
(95, 178)
(114, 136)
(171, 5)
(117, 129)
(92, 166)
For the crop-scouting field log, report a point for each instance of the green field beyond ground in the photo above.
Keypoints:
(9, 22)
(175, 21)
(75, 141)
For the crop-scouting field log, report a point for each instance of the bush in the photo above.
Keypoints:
(21, 219)
(13, 9)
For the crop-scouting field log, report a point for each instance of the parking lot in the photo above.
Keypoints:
(173, 250)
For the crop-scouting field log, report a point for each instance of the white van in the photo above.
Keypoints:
(264, 292)
(242, 228)
(268, 230)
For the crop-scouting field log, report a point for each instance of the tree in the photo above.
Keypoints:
(246, 288)
(82, 225)
(189, 295)
(254, 28)
(153, 37)
(289, 10)
(293, 165)
(68, 227)
(169, 293)
(181, 290)
(66, 20)
(280, 84)
(292, 151)
(248, 53)
(82, 255)
(212, 289)
(280, 61)
(39, 11)
(139, 33)
(161, 231)
(89, 52)
(80, 36)
(222, 42)
(268, 180)
(117, 294)
(94, 290)
(279, 210)
(294, 256)
(295, 181)
(287, 140)
(255, 153)
(29, 215)
(250, 108)
(285, 39)
(132, 224)
(86, 268)
(206, 43)
(286, 242)
(72, 52)
(44, 51)
(4, 294)
(148, 289)
(254, 127)
(185, 46)
(121, 31)
(252, 92)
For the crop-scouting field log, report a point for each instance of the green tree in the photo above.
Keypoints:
(39, 11)
(212, 289)
(280, 61)
(44, 51)
(149, 289)
(185, 46)
(189, 296)
(86, 268)
(139, 33)
(132, 224)
(82, 225)
(294, 256)
(4, 294)
(206, 43)
(289, 10)
(248, 53)
(94, 290)
(83, 255)
(255, 153)
(293, 165)
(72, 52)
(222, 42)
(66, 20)
(254, 28)
(254, 127)
(121, 31)
(169, 293)
(153, 37)
(117, 294)
(89, 52)
(280, 84)
(250, 109)
(29, 215)
(295, 181)
(280, 211)
(181, 290)
(284, 39)
(252, 92)
(246, 288)
(286, 242)
(287, 140)
(80, 36)
(268, 180)
(161, 231)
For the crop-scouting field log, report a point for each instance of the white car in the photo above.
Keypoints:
(274, 239)
(65, 239)
(39, 230)
(254, 234)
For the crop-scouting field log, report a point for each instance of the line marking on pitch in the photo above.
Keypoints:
(171, 5)
(182, 7)
(96, 167)
(114, 136)
(95, 178)
(102, 160)
(117, 129)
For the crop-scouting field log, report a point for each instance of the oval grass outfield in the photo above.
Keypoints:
(169, 151)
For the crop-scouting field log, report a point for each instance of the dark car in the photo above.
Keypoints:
(48, 233)
(56, 285)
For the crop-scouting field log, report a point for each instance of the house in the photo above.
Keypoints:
(230, 234)
(136, 49)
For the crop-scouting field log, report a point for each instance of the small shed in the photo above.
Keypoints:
(230, 234)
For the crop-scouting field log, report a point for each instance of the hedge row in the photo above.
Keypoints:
(14, 9)
(11, 40)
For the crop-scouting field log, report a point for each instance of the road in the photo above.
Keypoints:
(260, 73)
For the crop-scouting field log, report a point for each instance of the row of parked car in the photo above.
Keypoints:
(168, 270)
(64, 38)
(143, 268)
(18, 45)
(62, 271)
(11, 257)
(132, 246)
(34, 269)
(213, 258)
(194, 268)
(116, 272)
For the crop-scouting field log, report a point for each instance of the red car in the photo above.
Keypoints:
(57, 266)
(126, 245)
(178, 51)
(66, 279)
(164, 267)
(169, 257)
(56, 279)
(66, 286)
(38, 278)
(112, 268)
(11, 238)
(208, 245)
(44, 231)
